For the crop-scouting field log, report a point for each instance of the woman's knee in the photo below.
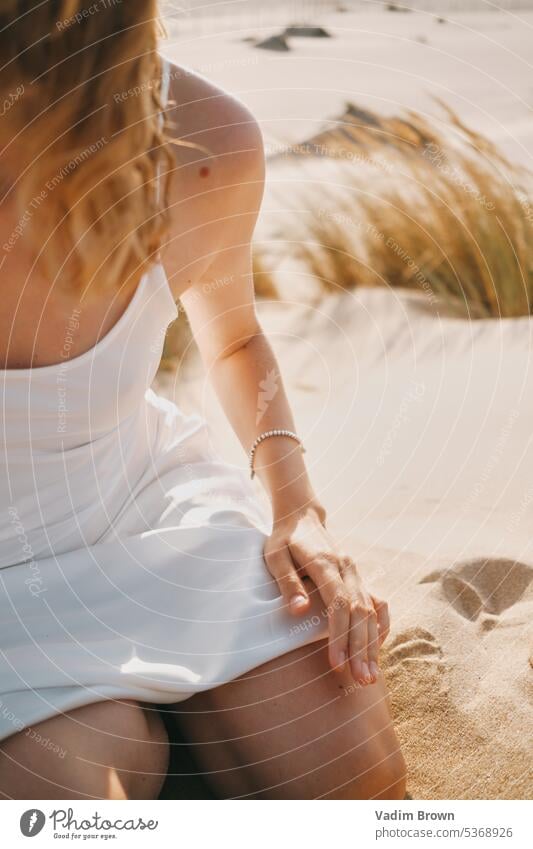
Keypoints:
(355, 764)
(379, 772)
(296, 729)
(109, 750)
(394, 777)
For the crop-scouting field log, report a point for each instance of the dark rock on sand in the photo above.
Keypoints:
(306, 31)
(274, 42)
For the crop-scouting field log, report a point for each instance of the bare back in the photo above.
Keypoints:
(36, 310)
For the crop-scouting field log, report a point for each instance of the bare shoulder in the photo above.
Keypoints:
(218, 176)
(216, 122)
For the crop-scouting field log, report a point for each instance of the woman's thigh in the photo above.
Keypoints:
(293, 728)
(107, 750)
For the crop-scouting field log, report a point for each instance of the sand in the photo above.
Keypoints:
(478, 62)
(418, 424)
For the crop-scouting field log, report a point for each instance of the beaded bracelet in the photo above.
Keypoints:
(266, 435)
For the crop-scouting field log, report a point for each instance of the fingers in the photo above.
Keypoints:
(358, 647)
(347, 611)
(336, 597)
(358, 622)
(354, 628)
(358, 634)
(382, 613)
(282, 569)
(373, 645)
(364, 646)
(339, 627)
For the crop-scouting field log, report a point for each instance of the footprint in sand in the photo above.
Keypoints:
(414, 645)
(483, 588)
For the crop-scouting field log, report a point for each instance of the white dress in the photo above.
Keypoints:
(130, 557)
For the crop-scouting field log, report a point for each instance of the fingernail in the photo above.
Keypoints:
(356, 671)
(366, 673)
(298, 601)
(342, 658)
(374, 670)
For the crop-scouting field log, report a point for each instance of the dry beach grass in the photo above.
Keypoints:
(439, 211)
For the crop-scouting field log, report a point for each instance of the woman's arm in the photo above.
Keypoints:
(242, 367)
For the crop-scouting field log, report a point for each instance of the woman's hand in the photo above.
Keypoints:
(299, 547)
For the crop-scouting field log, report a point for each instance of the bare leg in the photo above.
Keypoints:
(295, 729)
(112, 750)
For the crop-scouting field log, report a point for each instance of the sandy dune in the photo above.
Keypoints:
(478, 62)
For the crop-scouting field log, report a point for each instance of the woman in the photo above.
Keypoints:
(138, 571)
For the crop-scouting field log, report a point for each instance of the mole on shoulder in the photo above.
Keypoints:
(205, 171)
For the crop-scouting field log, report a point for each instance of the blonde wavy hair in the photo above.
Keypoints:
(82, 136)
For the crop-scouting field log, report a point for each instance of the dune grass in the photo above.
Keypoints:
(414, 206)
(434, 208)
